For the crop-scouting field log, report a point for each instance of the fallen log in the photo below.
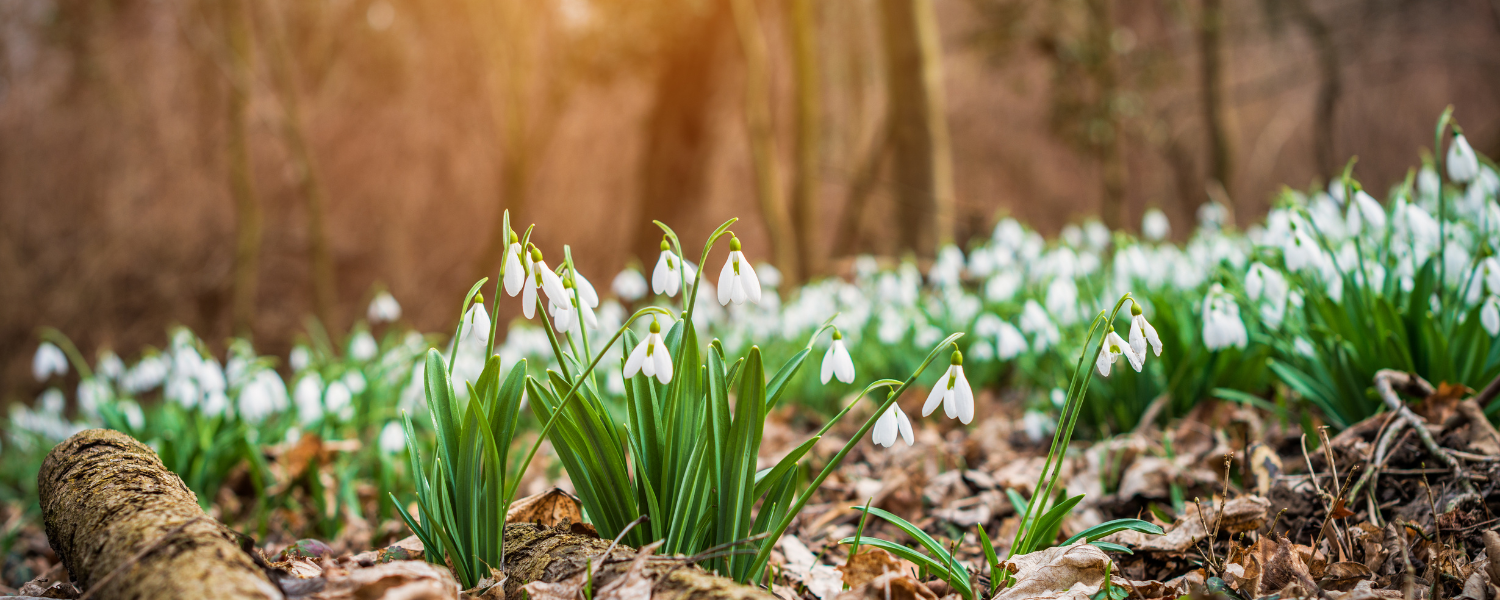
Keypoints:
(127, 528)
(561, 555)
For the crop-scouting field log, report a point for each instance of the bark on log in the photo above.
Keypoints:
(116, 515)
(553, 554)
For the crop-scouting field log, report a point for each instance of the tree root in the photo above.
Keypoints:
(127, 528)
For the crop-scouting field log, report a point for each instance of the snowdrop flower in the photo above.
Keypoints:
(1489, 316)
(1301, 252)
(1037, 425)
(1062, 300)
(665, 279)
(338, 399)
(1269, 287)
(650, 357)
(110, 365)
(49, 360)
(1155, 225)
(544, 279)
(1212, 215)
(308, 396)
(1002, 286)
(1365, 209)
(477, 320)
(770, 276)
(362, 346)
(837, 361)
(630, 285)
(1463, 165)
(892, 422)
(1222, 326)
(92, 393)
(384, 308)
(515, 274)
(1141, 333)
(392, 438)
(565, 314)
(299, 358)
(264, 395)
(953, 392)
(737, 281)
(1111, 349)
(586, 291)
(1009, 343)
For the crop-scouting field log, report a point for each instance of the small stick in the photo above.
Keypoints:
(1385, 382)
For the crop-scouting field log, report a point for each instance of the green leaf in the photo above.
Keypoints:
(1105, 529)
(784, 374)
(959, 580)
(1111, 547)
(916, 533)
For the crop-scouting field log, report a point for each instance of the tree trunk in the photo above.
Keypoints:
(1329, 87)
(673, 167)
(762, 136)
(241, 178)
(806, 203)
(325, 296)
(1111, 163)
(923, 166)
(1211, 46)
(117, 517)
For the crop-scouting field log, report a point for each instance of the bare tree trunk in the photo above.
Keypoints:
(919, 133)
(763, 136)
(241, 179)
(861, 185)
(1111, 163)
(805, 179)
(305, 170)
(679, 128)
(1211, 46)
(1329, 86)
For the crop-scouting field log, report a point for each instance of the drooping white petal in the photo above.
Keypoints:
(963, 396)
(737, 293)
(551, 283)
(726, 281)
(515, 274)
(636, 359)
(528, 299)
(935, 397)
(1489, 316)
(884, 432)
(590, 319)
(1463, 165)
(663, 274)
(828, 358)
(1105, 360)
(748, 279)
(662, 359)
(903, 424)
(843, 364)
(586, 291)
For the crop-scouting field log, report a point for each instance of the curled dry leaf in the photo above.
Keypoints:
(548, 509)
(890, 586)
(870, 564)
(802, 565)
(400, 580)
(1074, 572)
(1240, 514)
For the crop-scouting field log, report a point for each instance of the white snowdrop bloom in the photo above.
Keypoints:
(947, 270)
(110, 365)
(1110, 350)
(1328, 216)
(1062, 300)
(1037, 425)
(49, 360)
(338, 398)
(308, 395)
(1301, 252)
(953, 392)
(1428, 182)
(1002, 286)
(650, 357)
(1222, 327)
(893, 326)
(1096, 235)
(547, 280)
(1365, 210)
(150, 372)
(51, 402)
(392, 438)
(586, 291)
(1008, 233)
(1463, 165)
(1212, 215)
(666, 278)
(1489, 271)
(1303, 347)
(355, 381)
(982, 350)
(92, 393)
(263, 396)
(383, 308)
(1071, 235)
(1141, 334)
(215, 403)
(1009, 343)
(837, 362)
(134, 417)
(1155, 226)
(515, 273)
(1489, 316)
(362, 346)
(737, 281)
(299, 359)
(476, 321)
(1034, 320)
(889, 425)
(630, 285)
(770, 276)
(1269, 287)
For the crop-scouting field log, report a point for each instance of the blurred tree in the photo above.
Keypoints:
(762, 136)
(923, 159)
(1211, 50)
(806, 178)
(239, 51)
(304, 169)
(678, 126)
(1329, 86)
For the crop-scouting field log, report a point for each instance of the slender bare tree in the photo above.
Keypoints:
(806, 202)
(762, 136)
(923, 161)
(248, 219)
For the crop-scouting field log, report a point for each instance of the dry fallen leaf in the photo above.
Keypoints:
(548, 509)
(890, 586)
(633, 585)
(869, 564)
(1240, 514)
(1073, 572)
(400, 580)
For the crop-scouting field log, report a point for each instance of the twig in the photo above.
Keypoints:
(1488, 393)
(1385, 382)
(135, 558)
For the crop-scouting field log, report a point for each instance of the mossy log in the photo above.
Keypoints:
(123, 523)
(554, 554)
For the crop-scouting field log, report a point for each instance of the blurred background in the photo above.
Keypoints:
(241, 166)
